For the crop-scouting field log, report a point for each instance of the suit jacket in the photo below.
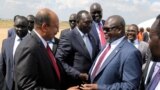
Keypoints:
(145, 37)
(121, 70)
(63, 32)
(6, 60)
(74, 55)
(143, 47)
(55, 45)
(33, 68)
(94, 33)
(11, 32)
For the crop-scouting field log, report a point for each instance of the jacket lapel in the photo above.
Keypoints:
(112, 55)
(78, 38)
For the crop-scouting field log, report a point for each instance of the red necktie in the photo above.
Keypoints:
(101, 58)
(53, 60)
(102, 36)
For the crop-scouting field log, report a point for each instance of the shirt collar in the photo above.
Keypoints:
(81, 33)
(43, 41)
(17, 38)
(97, 23)
(116, 42)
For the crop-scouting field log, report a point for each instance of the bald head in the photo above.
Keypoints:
(96, 12)
(45, 16)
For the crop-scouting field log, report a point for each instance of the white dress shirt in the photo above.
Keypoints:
(113, 46)
(86, 41)
(17, 41)
(50, 43)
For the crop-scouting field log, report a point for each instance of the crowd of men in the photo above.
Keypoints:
(93, 54)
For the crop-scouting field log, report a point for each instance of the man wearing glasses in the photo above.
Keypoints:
(118, 66)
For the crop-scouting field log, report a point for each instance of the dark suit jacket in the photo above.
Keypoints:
(11, 32)
(94, 33)
(145, 37)
(63, 32)
(73, 53)
(6, 60)
(55, 45)
(33, 69)
(121, 70)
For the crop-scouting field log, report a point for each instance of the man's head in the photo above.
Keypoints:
(72, 21)
(46, 23)
(141, 29)
(154, 42)
(84, 21)
(132, 32)
(148, 29)
(21, 26)
(16, 16)
(31, 22)
(114, 27)
(96, 12)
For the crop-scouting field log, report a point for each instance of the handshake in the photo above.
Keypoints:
(85, 86)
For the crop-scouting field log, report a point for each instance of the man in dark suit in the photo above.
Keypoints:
(118, 66)
(11, 32)
(97, 24)
(72, 23)
(146, 35)
(53, 44)
(142, 46)
(77, 49)
(151, 74)
(35, 65)
(9, 46)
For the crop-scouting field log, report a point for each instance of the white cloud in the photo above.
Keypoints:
(155, 6)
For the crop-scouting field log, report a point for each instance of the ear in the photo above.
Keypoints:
(44, 27)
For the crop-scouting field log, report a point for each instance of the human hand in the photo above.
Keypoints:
(74, 88)
(83, 76)
(89, 87)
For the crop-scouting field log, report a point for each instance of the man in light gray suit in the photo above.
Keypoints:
(142, 46)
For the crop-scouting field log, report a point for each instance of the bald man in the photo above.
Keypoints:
(35, 66)
(118, 66)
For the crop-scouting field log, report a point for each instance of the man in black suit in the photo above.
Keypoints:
(77, 49)
(72, 23)
(151, 74)
(9, 46)
(35, 65)
(97, 25)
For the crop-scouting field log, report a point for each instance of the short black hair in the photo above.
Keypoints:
(79, 14)
(134, 26)
(16, 16)
(41, 18)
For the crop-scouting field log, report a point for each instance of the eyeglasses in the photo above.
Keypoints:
(72, 20)
(108, 29)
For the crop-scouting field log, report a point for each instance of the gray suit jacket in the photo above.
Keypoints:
(121, 70)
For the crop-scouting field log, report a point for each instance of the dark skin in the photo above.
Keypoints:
(96, 12)
(21, 26)
(85, 22)
(132, 32)
(31, 22)
(115, 29)
(72, 21)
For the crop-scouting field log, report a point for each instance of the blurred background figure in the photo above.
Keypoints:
(30, 19)
(142, 46)
(146, 37)
(140, 34)
(72, 23)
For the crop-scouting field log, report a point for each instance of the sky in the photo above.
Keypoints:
(133, 11)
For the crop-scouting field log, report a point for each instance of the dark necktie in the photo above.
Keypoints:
(53, 60)
(154, 82)
(100, 60)
(102, 36)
